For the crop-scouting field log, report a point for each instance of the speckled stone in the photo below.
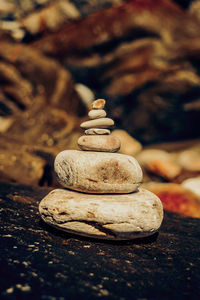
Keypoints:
(98, 172)
(99, 131)
(99, 123)
(98, 104)
(113, 217)
(103, 143)
(96, 114)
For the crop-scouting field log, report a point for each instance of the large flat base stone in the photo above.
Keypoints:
(108, 216)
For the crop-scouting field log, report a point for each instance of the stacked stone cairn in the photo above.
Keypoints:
(101, 198)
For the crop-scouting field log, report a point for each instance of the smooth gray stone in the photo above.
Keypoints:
(96, 114)
(112, 217)
(100, 123)
(98, 172)
(103, 143)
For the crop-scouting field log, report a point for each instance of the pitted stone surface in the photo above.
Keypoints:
(113, 217)
(98, 172)
(102, 143)
(98, 131)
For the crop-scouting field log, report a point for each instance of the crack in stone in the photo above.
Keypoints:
(92, 180)
(94, 224)
(100, 227)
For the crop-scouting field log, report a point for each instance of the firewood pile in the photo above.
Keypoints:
(142, 56)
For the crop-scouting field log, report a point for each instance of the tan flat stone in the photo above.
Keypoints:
(111, 217)
(159, 162)
(176, 198)
(99, 123)
(96, 114)
(98, 104)
(98, 172)
(103, 143)
(190, 159)
(99, 131)
(193, 185)
(129, 145)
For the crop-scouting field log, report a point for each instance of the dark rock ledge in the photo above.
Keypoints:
(38, 262)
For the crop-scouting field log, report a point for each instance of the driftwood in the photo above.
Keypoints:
(29, 158)
(39, 114)
(34, 138)
(18, 165)
(141, 57)
(50, 18)
(45, 78)
(137, 55)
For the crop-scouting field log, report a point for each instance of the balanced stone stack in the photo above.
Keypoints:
(101, 198)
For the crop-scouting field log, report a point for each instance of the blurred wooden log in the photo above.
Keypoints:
(34, 138)
(50, 17)
(18, 165)
(39, 111)
(43, 125)
(140, 57)
(44, 76)
(39, 114)
(116, 22)
(14, 86)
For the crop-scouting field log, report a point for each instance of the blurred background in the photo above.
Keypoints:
(142, 56)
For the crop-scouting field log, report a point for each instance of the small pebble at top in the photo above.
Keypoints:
(98, 104)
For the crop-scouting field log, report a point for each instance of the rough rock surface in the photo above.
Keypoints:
(105, 143)
(103, 216)
(98, 131)
(103, 173)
